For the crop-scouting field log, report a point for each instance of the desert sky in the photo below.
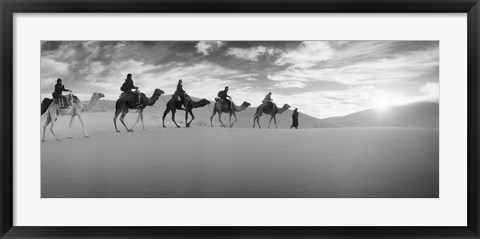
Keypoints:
(323, 78)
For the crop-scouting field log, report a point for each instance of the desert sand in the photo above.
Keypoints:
(240, 162)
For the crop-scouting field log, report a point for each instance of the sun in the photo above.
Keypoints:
(382, 106)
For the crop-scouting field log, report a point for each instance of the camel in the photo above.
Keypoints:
(54, 110)
(264, 109)
(223, 108)
(174, 105)
(123, 105)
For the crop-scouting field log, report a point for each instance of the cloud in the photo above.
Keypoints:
(206, 47)
(290, 84)
(395, 70)
(251, 78)
(51, 67)
(308, 54)
(250, 54)
(51, 70)
(431, 91)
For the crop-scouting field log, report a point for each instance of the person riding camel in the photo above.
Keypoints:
(268, 99)
(223, 95)
(58, 96)
(180, 92)
(127, 88)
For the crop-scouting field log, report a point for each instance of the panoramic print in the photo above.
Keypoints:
(239, 119)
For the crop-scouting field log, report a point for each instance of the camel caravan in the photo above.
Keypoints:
(132, 99)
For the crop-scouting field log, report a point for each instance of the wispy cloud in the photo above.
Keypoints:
(308, 54)
(431, 91)
(395, 69)
(250, 54)
(290, 84)
(206, 47)
(51, 71)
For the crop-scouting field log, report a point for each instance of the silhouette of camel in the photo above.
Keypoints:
(223, 108)
(174, 105)
(267, 109)
(122, 105)
(53, 111)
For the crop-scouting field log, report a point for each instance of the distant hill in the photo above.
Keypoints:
(424, 114)
(245, 118)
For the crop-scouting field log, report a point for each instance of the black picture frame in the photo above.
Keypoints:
(9, 7)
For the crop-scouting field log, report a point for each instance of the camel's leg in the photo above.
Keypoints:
(117, 113)
(138, 119)
(141, 118)
(70, 127)
(275, 120)
(186, 117)
(230, 120)
(220, 119)
(234, 115)
(211, 117)
(122, 117)
(47, 121)
(83, 125)
(51, 129)
(165, 113)
(257, 118)
(173, 118)
(118, 110)
(270, 121)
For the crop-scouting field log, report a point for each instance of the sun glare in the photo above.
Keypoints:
(382, 107)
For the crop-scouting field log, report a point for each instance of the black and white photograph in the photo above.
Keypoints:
(239, 119)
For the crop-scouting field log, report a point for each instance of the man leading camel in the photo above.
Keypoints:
(294, 119)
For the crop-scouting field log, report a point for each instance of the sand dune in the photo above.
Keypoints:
(220, 162)
(202, 161)
(422, 114)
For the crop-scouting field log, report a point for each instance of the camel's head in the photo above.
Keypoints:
(204, 102)
(98, 95)
(286, 106)
(246, 104)
(159, 92)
